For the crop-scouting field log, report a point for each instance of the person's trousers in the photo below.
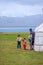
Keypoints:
(19, 45)
(24, 47)
(30, 46)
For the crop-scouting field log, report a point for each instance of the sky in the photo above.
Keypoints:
(20, 8)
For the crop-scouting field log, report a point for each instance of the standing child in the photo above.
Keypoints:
(30, 40)
(18, 41)
(24, 43)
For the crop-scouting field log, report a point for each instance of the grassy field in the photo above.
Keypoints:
(10, 55)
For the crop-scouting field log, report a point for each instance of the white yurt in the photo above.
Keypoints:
(38, 44)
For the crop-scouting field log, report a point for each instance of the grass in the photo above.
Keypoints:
(10, 55)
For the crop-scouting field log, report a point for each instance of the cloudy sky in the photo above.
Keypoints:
(20, 8)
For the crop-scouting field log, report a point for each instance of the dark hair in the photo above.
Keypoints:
(25, 38)
(19, 35)
(30, 29)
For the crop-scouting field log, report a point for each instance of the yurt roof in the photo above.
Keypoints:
(39, 28)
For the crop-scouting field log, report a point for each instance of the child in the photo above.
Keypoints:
(30, 37)
(24, 43)
(30, 40)
(18, 41)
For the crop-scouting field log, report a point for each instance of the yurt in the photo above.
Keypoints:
(38, 44)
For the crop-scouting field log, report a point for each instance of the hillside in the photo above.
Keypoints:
(34, 20)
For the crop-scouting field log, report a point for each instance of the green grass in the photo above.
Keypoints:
(10, 55)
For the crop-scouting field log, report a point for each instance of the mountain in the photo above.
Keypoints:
(33, 20)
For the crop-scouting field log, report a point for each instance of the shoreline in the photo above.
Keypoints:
(12, 32)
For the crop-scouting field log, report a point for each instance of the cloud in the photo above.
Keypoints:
(17, 10)
(25, 2)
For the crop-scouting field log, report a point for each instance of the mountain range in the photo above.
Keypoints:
(25, 21)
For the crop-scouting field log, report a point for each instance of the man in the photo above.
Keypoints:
(32, 35)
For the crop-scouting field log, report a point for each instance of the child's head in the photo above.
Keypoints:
(19, 35)
(24, 38)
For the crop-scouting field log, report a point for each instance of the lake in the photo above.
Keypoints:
(16, 29)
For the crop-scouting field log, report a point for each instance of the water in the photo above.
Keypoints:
(16, 29)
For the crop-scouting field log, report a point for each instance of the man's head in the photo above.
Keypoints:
(30, 30)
